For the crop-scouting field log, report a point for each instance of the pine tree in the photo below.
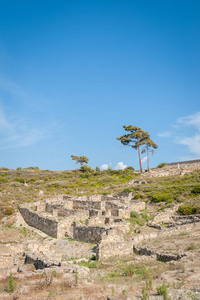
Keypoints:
(80, 159)
(135, 139)
(149, 143)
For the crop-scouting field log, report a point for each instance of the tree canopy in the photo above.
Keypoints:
(80, 159)
(135, 138)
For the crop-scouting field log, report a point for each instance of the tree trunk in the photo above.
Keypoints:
(147, 158)
(140, 159)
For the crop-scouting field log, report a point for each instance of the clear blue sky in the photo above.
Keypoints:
(72, 73)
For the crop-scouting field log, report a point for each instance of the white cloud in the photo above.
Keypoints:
(186, 132)
(106, 166)
(144, 159)
(120, 166)
(193, 143)
(192, 120)
(165, 134)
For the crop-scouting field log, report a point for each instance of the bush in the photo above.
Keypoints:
(128, 190)
(9, 211)
(3, 179)
(138, 196)
(129, 170)
(161, 197)
(87, 169)
(134, 214)
(162, 290)
(161, 165)
(19, 179)
(32, 168)
(11, 285)
(187, 209)
(97, 169)
(196, 189)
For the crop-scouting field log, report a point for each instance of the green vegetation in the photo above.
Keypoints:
(196, 189)
(138, 219)
(161, 165)
(161, 196)
(162, 290)
(9, 211)
(11, 285)
(163, 191)
(135, 138)
(188, 209)
(80, 159)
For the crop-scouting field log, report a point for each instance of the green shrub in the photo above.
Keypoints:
(187, 209)
(89, 264)
(3, 179)
(9, 211)
(32, 168)
(141, 271)
(20, 179)
(134, 214)
(97, 169)
(191, 247)
(128, 190)
(86, 175)
(145, 294)
(129, 270)
(161, 165)
(138, 196)
(85, 168)
(161, 197)
(196, 189)
(162, 290)
(11, 285)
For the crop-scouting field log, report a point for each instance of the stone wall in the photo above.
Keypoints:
(79, 204)
(88, 234)
(112, 243)
(176, 168)
(47, 225)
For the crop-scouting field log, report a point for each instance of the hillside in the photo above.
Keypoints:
(152, 218)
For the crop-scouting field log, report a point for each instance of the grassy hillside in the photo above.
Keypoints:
(31, 184)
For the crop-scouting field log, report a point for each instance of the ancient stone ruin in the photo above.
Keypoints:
(94, 219)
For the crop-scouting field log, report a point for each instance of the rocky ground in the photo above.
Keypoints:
(143, 275)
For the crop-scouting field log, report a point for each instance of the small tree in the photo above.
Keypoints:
(80, 159)
(149, 143)
(135, 138)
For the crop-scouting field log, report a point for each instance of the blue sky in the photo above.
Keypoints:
(72, 73)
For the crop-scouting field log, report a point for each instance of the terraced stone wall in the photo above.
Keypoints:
(47, 225)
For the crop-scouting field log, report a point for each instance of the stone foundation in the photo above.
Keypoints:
(47, 225)
(88, 234)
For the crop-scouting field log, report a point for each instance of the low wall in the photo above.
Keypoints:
(78, 204)
(105, 250)
(188, 162)
(88, 234)
(49, 226)
(112, 243)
